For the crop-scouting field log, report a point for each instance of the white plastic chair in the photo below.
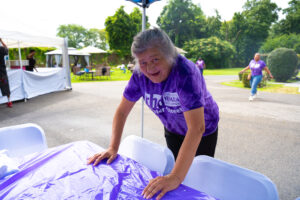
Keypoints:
(23, 139)
(229, 182)
(154, 156)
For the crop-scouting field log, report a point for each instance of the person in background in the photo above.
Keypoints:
(4, 84)
(256, 66)
(32, 62)
(174, 89)
(200, 64)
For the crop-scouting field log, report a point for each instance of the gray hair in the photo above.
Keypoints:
(154, 38)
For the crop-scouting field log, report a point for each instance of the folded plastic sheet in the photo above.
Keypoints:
(62, 173)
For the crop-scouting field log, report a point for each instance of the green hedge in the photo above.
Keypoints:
(215, 52)
(244, 78)
(282, 63)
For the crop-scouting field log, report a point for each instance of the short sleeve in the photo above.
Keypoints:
(132, 91)
(250, 63)
(263, 64)
(3, 51)
(190, 92)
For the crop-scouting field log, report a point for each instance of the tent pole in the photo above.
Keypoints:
(66, 63)
(20, 56)
(143, 29)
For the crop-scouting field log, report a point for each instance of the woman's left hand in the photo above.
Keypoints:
(161, 184)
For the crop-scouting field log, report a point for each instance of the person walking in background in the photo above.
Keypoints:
(32, 62)
(200, 64)
(4, 84)
(256, 66)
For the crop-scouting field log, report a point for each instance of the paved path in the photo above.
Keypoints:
(263, 135)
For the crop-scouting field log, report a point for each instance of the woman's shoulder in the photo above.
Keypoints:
(184, 66)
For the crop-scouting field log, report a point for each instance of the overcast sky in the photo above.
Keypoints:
(41, 17)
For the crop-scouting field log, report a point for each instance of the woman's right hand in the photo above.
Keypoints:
(110, 154)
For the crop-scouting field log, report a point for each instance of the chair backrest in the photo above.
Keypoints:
(107, 73)
(75, 69)
(22, 139)
(150, 154)
(98, 71)
(229, 182)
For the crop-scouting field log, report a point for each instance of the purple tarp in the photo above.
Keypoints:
(62, 173)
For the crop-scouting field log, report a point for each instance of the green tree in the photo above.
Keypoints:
(97, 38)
(121, 28)
(182, 21)
(213, 26)
(234, 32)
(249, 29)
(76, 34)
(215, 52)
(291, 41)
(291, 22)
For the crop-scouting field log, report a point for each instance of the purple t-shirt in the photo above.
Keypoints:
(200, 64)
(256, 67)
(183, 90)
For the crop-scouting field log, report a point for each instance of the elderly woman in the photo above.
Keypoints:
(256, 66)
(174, 89)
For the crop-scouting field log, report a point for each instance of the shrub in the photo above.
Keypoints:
(215, 52)
(282, 63)
(246, 82)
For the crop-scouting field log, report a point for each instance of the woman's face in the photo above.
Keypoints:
(256, 57)
(153, 65)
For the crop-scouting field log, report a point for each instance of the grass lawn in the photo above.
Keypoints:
(271, 87)
(229, 71)
(116, 75)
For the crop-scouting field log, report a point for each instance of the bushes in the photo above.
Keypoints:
(244, 78)
(215, 52)
(282, 63)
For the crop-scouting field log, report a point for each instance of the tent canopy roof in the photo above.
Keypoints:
(92, 50)
(71, 52)
(15, 39)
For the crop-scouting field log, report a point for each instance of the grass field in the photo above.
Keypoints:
(229, 71)
(271, 87)
(116, 75)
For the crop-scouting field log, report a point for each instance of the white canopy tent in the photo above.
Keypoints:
(59, 52)
(15, 39)
(92, 50)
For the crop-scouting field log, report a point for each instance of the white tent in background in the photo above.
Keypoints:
(57, 54)
(92, 50)
(15, 39)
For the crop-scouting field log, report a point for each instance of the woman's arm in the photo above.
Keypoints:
(196, 127)
(3, 44)
(117, 128)
(245, 69)
(269, 72)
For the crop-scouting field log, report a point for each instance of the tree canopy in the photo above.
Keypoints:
(182, 21)
(79, 37)
(121, 28)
